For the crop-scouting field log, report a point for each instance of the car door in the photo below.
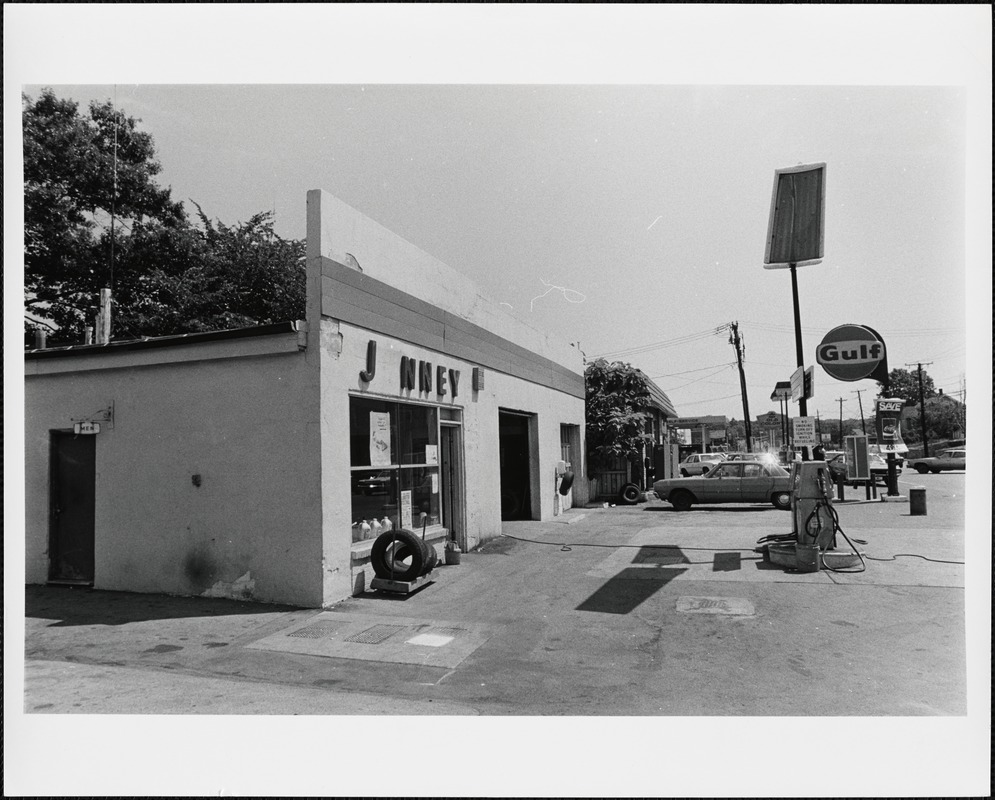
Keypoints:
(756, 485)
(958, 459)
(721, 485)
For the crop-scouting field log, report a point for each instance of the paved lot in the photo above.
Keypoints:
(626, 612)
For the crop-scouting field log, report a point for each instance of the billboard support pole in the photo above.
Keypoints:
(799, 353)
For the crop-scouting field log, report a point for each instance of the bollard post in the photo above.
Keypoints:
(917, 501)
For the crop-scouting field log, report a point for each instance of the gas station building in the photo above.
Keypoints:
(261, 463)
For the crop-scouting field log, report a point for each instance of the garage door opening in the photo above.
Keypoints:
(515, 443)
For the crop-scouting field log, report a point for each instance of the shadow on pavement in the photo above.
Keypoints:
(623, 593)
(79, 605)
(712, 509)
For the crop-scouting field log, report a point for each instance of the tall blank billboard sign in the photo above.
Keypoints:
(796, 230)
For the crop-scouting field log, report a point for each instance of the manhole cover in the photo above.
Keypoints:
(317, 631)
(736, 606)
(376, 635)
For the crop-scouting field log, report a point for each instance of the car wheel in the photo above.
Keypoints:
(629, 494)
(781, 500)
(935, 470)
(681, 499)
(684, 473)
(922, 469)
(388, 554)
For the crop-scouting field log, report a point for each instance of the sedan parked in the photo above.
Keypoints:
(700, 463)
(730, 482)
(947, 459)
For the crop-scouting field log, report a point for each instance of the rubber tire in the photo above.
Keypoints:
(681, 500)
(431, 558)
(406, 543)
(629, 494)
(566, 482)
(684, 473)
(922, 469)
(780, 504)
(935, 470)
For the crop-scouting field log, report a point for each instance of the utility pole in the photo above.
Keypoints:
(922, 411)
(840, 399)
(863, 427)
(734, 340)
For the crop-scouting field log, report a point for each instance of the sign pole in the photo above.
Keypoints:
(799, 353)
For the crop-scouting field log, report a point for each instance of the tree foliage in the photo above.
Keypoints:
(617, 399)
(212, 278)
(905, 384)
(169, 275)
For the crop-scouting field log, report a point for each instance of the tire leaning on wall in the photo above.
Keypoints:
(566, 482)
(629, 494)
(391, 548)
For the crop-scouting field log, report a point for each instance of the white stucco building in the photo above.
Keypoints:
(244, 463)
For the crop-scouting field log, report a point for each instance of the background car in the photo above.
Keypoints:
(729, 482)
(699, 463)
(836, 461)
(947, 459)
(875, 449)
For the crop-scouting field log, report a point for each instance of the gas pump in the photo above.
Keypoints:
(812, 504)
(812, 543)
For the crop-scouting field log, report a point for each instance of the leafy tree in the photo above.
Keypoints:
(946, 418)
(617, 399)
(217, 278)
(169, 275)
(905, 384)
(69, 194)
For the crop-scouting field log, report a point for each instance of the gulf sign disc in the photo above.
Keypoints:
(850, 352)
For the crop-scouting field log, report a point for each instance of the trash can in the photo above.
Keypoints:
(917, 501)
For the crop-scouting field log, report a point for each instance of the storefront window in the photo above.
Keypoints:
(395, 472)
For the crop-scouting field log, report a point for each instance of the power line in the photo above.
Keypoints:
(702, 378)
(710, 400)
(688, 371)
(686, 339)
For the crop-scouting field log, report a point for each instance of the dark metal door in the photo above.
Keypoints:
(73, 489)
(451, 487)
(516, 477)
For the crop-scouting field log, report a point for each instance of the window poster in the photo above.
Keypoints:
(435, 483)
(431, 454)
(379, 439)
(406, 509)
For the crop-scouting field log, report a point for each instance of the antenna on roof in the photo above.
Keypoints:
(104, 310)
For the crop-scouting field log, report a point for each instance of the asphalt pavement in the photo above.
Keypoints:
(621, 612)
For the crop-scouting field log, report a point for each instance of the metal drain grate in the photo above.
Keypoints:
(376, 635)
(454, 632)
(317, 631)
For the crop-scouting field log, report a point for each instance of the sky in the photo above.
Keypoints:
(605, 170)
(629, 218)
